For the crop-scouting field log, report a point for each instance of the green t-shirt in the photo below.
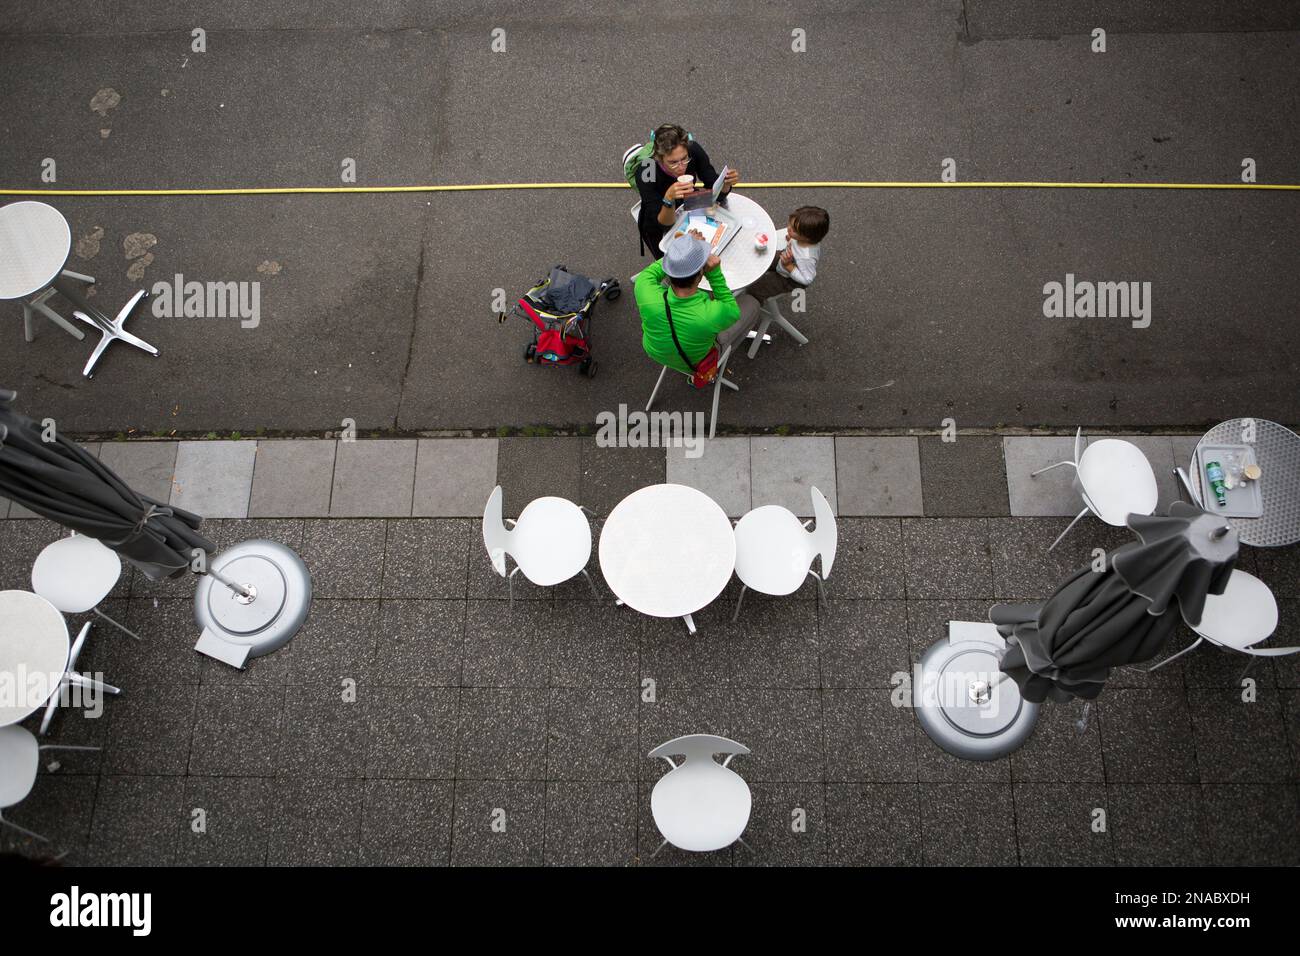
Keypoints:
(698, 318)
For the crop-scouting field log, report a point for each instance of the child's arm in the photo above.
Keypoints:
(804, 269)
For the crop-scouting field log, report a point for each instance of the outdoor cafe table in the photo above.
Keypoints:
(34, 650)
(35, 241)
(1277, 452)
(667, 551)
(741, 263)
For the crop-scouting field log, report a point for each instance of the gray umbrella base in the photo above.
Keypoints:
(236, 627)
(964, 702)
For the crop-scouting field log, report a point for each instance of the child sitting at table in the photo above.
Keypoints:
(795, 266)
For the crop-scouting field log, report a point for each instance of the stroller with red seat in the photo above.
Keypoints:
(560, 308)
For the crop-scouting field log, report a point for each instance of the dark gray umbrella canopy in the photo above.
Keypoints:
(61, 481)
(1065, 646)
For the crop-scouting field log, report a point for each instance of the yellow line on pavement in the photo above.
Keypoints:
(489, 187)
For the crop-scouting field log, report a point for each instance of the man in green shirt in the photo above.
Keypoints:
(698, 318)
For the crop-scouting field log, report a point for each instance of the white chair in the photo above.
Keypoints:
(771, 312)
(700, 805)
(20, 758)
(549, 543)
(73, 679)
(775, 552)
(718, 384)
(1114, 479)
(75, 574)
(1243, 615)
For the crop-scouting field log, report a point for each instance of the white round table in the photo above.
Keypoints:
(741, 263)
(667, 551)
(34, 649)
(1277, 452)
(35, 241)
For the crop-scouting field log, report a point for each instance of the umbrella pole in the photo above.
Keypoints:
(246, 593)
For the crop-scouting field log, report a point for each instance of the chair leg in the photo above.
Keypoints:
(1067, 528)
(120, 627)
(656, 852)
(29, 332)
(785, 323)
(23, 830)
(759, 335)
(1035, 474)
(89, 280)
(510, 586)
(59, 320)
(98, 685)
(1249, 664)
(739, 601)
(1173, 657)
(821, 587)
(717, 389)
(50, 708)
(67, 747)
(1081, 724)
(658, 382)
(594, 592)
(690, 623)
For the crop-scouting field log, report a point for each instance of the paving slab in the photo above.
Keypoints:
(236, 822)
(147, 466)
(498, 823)
(952, 812)
(608, 475)
(292, 479)
(406, 823)
(784, 470)
(1157, 824)
(963, 477)
(873, 824)
(373, 479)
(1051, 493)
(529, 468)
(454, 476)
(722, 472)
(878, 476)
(1055, 824)
(214, 478)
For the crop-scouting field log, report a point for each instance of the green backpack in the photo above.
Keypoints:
(636, 157)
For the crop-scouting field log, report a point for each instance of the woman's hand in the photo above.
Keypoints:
(730, 179)
(679, 191)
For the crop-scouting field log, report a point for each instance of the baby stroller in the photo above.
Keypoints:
(560, 307)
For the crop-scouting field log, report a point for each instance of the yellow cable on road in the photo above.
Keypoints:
(488, 187)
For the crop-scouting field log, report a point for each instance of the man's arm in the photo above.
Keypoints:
(723, 311)
(648, 288)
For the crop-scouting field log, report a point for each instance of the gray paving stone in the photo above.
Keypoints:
(1055, 824)
(237, 731)
(235, 822)
(345, 558)
(1146, 736)
(936, 765)
(878, 476)
(863, 643)
(1279, 568)
(784, 470)
(1213, 666)
(594, 646)
(1182, 447)
(1156, 824)
(323, 735)
(292, 479)
(529, 468)
(1251, 824)
(1051, 493)
(373, 479)
(873, 824)
(501, 734)
(59, 808)
(421, 643)
(149, 731)
(81, 726)
(672, 658)
(1057, 752)
(149, 467)
(21, 542)
(406, 823)
(947, 558)
(1287, 669)
(927, 621)
(608, 475)
(337, 642)
(591, 823)
(787, 826)
(592, 734)
(773, 644)
(722, 472)
(315, 824)
(783, 730)
(427, 558)
(1023, 567)
(867, 738)
(964, 477)
(137, 821)
(412, 732)
(499, 823)
(214, 478)
(868, 560)
(952, 814)
(1239, 742)
(507, 647)
(228, 532)
(164, 656)
(454, 477)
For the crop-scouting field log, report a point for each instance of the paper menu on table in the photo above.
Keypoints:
(710, 229)
(720, 182)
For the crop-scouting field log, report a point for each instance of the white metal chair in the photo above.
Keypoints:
(718, 384)
(20, 758)
(700, 805)
(771, 312)
(73, 679)
(1114, 479)
(38, 304)
(775, 552)
(1243, 615)
(75, 574)
(549, 543)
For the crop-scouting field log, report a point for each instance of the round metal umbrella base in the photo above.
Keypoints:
(965, 703)
(238, 626)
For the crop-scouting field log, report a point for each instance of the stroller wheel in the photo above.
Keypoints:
(613, 292)
(588, 368)
(530, 352)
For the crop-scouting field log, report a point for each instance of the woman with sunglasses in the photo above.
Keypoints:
(675, 154)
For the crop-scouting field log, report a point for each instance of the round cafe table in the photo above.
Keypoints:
(34, 649)
(1277, 452)
(35, 241)
(741, 263)
(667, 551)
